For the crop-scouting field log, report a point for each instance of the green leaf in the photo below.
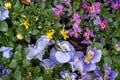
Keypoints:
(13, 64)
(98, 45)
(3, 26)
(39, 78)
(17, 75)
(34, 32)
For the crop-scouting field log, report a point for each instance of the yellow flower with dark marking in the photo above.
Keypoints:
(50, 33)
(64, 34)
(20, 36)
(25, 23)
(8, 5)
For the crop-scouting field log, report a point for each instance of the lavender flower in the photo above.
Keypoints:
(117, 46)
(7, 53)
(97, 20)
(73, 33)
(91, 58)
(115, 4)
(67, 75)
(5, 72)
(103, 25)
(76, 28)
(58, 11)
(109, 74)
(4, 12)
(64, 52)
(95, 8)
(38, 50)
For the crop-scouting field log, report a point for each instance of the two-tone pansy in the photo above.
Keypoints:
(95, 8)
(103, 25)
(93, 56)
(88, 34)
(38, 50)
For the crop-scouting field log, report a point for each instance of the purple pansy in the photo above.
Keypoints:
(117, 46)
(109, 74)
(58, 11)
(5, 72)
(77, 63)
(64, 52)
(103, 25)
(67, 3)
(73, 33)
(101, 40)
(76, 18)
(88, 42)
(51, 61)
(67, 75)
(88, 34)
(76, 28)
(4, 12)
(7, 53)
(95, 8)
(93, 56)
(85, 5)
(115, 4)
(38, 50)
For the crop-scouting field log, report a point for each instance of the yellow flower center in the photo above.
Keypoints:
(87, 35)
(106, 75)
(64, 34)
(102, 25)
(89, 56)
(25, 23)
(50, 33)
(20, 36)
(91, 9)
(8, 5)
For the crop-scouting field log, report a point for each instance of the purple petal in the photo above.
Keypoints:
(90, 67)
(76, 28)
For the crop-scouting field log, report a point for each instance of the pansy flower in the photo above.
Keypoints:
(7, 51)
(39, 49)
(25, 23)
(50, 33)
(67, 3)
(85, 5)
(93, 56)
(8, 5)
(115, 4)
(4, 12)
(76, 18)
(58, 11)
(103, 25)
(97, 20)
(64, 52)
(95, 8)
(88, 34)
(67, 75)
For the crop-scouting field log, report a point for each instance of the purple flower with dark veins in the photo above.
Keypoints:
(76, 18)
(95, 8)
(103, 25)
(4, 12)
(88, 34)
(85, 5)
(58, 11)
(39, 49)
(7, 53)
(93, 56)
(115, 4)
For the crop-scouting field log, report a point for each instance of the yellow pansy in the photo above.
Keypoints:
(50, 33)
(20, 36)
(25, 23)
(64, 34)
(8, 5)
